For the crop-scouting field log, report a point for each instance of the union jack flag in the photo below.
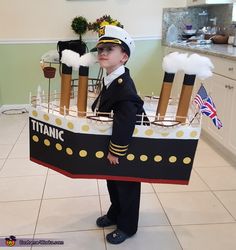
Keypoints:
(200, 96)
(208, 109)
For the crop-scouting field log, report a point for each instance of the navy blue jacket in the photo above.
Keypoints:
(121, 98)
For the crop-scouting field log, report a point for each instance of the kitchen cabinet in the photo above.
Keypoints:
(222, 88)
(223, 92)
(231, 138)
(203, 2)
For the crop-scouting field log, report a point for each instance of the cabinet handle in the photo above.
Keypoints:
(226, 86)
(231, 87)
(231, 69)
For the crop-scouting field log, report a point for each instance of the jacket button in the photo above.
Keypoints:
(120, 80)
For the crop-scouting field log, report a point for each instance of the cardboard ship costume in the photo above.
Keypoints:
(74, 141)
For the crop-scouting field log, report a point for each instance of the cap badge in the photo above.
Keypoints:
(120, 80)
(101, 31)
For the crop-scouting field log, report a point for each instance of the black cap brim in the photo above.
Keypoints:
(94, 49)
(105, 40)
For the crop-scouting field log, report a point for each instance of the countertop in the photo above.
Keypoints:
(220, 50)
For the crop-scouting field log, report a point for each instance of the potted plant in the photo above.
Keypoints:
(102, 21)
(79, 25)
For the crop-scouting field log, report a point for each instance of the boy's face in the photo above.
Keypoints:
(111, 56)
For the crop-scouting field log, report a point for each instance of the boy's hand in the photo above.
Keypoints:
(114, 160)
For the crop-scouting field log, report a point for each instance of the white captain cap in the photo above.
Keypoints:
(116, 35)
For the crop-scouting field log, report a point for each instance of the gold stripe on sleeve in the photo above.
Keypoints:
(119, 154)
(118, 150)
(118, 146)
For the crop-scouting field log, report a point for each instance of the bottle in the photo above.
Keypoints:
(172, 34)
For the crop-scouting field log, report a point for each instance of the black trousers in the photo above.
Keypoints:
(125, 201)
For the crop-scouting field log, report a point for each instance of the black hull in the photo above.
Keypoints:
(84, 156)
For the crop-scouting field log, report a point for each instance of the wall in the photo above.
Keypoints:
(29, 28)
(50, 19)
(21, 72)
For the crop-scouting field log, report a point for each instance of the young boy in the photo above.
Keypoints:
(119, 95)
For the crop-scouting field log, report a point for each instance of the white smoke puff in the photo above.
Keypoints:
(88, 59)
(181, 60)
(169, 64)
(70, 58)
(173, 62)
(200, 66)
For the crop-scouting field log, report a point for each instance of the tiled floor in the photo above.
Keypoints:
(40, 203)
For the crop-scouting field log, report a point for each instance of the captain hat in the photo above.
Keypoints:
(116, 35)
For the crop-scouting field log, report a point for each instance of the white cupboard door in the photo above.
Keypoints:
(219, 94)
(231, 133)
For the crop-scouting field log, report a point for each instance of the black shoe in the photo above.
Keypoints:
(103, 221)
(116, 237)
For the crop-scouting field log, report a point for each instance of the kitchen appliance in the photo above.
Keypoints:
(188, 34)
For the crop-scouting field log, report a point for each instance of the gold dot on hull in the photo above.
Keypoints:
(99, 154)
(47, 142)
(58, 122)
(149, 132)
(193, 134)
(102, 130)
(143, 158)
(158, 158)
(172, 159)
(46, 117)
(70, 125)
(85, 128)
(83, 153)
(35, 138)
(180, 133)
(164, 134)
(69, 151)
(58, 146)
(130, 157)
(187, 160)
(34, 113)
